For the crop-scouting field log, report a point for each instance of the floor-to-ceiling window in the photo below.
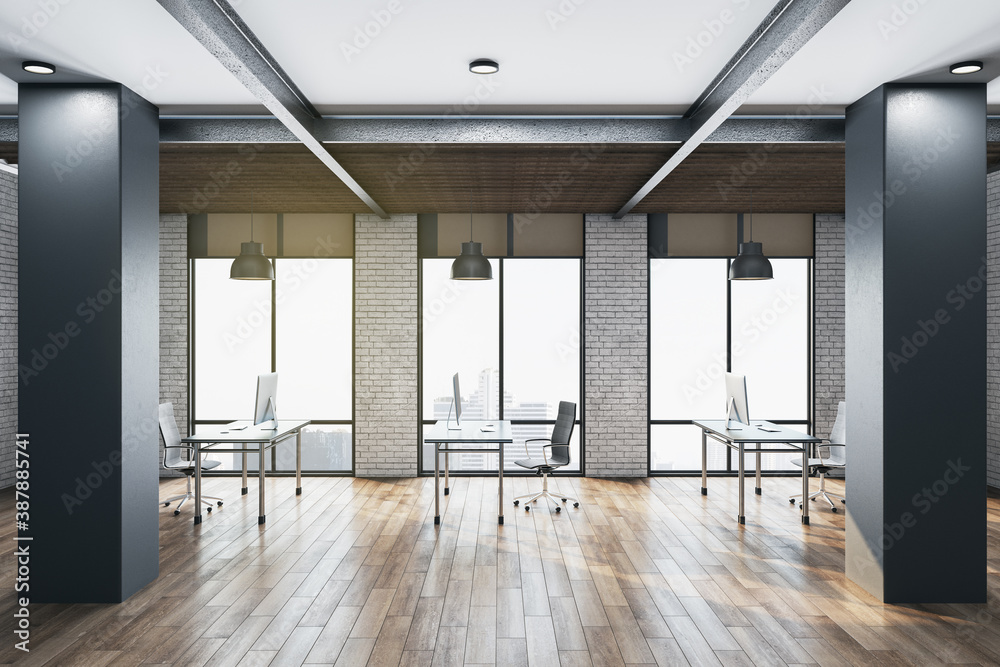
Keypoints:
(513, 340)
(702, 325)
(300, 326)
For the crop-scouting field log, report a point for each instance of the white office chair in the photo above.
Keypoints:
(557, 457)
(172, 459)
(836, 458)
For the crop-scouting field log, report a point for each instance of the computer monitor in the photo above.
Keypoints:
(264, 408)
(456, 403)
(737, 413)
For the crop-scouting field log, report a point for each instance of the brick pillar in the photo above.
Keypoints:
(828, 305)
(616, 347)
(386, 431)
(8, 324)
(174, 321)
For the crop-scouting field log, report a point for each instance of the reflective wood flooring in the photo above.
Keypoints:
(646, 571)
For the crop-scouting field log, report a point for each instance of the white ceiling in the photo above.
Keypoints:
(617, 56)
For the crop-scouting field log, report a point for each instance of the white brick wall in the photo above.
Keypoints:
(8, 325)
(993, 329)
(385, 353)
(174, 320)
(828, 286)
(616, 349)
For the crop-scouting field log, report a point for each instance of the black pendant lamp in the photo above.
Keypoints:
(750, 263)
(471, 264)
(252, 264)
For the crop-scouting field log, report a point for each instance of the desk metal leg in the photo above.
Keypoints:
(298, 463)
(741, 518)
(437, 483)
(500, 484)
(446, 473)
(243, 492)
(261, 517)
(805, 485)
(197, 483)
(704, 464)
(757, 488)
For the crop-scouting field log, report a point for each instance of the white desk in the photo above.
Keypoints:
(222, 438)
(793, 441)
(470, 438)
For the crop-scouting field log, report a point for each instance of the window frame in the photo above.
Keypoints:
(580, 421)
(193, 421)
(810, 421)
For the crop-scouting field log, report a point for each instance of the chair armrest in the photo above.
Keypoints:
(528, 454)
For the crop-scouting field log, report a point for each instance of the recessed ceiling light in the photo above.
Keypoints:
(967, 67)
(484, 66)
(38, 67)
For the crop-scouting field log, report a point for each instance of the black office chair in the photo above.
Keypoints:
(557, 457)
(172, 459)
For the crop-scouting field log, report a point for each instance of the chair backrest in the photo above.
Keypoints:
(171, 436)
(838, 436)
(561, 434)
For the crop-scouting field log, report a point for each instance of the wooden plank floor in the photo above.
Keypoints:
(646, 571)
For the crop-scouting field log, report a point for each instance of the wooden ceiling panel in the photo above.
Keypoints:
(554, 178)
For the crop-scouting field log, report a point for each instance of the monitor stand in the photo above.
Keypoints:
(733, 422)
(271, 414)
(457, 426)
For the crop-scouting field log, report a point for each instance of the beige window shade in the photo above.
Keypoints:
(548, 235)
(783, 234)
(226, 231)
(490, 229)
(714, 234)
(701, 234)
(318, 235)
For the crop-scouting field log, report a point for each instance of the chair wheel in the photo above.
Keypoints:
(176, 512)
(219, 503)
(516, 503)
(833, 509)
(209, 509)
(534, 500)
(166, 504)
(576, 504)
(791, 501)
(843, 502)
(564, 499)
(527, 508)
(558, 509)
(800, 505)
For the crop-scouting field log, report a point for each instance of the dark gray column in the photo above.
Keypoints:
(916, 343)
(88, 348)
